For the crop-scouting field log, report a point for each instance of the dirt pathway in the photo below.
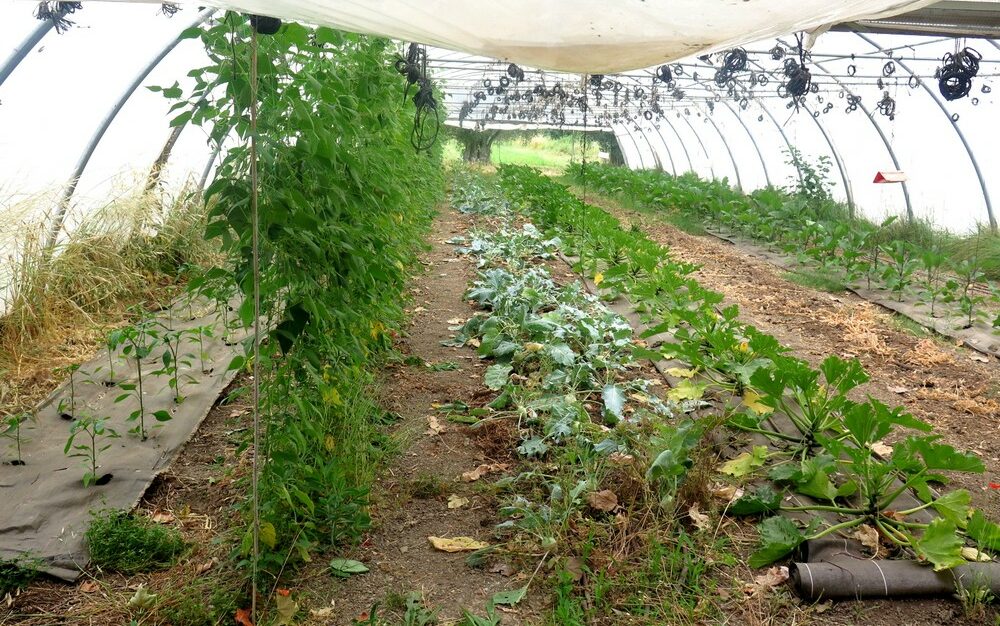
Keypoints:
(949, 386)
(412, 497)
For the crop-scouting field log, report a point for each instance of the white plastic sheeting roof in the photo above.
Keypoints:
(595, 36)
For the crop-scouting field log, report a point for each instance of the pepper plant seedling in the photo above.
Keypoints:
(67, 406)
(172, 359)
(94, 433)
(14, 426)
(139, 341)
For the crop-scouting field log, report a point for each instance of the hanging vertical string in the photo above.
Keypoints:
(255, 254)
(583, 166)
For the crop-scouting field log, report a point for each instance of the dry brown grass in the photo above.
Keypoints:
(55, 307)
(927, 353)
(863, 327)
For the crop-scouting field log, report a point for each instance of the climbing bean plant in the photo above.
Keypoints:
(343, 201)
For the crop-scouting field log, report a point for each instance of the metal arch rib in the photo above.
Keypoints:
(22, 50)
(878, 129)
(711, 170)
(753, 140)
(91, 147)
(736, 167)
(958, 131)
(670, 155)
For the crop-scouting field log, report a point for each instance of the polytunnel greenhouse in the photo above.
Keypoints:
(457, 312)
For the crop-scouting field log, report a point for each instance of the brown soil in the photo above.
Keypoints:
(412, 496)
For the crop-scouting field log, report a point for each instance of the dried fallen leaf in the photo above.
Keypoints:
(772, 577)
(604, 500)
(574, 568)
(242, 617)
(204, 567)
(483, 470)
(419, 309)
(142, 599)
(973, 554)
(504, 569)
(699, 519)
(899, 390)
(89, 586)
(457, 544)
(286, 607)
(979, 357)
(434, 427)
(163, 517)
(724, 492)
(620, 458)
(882, 449)
(456, 320)
(869, 538)
(324, 612)
(456, 501)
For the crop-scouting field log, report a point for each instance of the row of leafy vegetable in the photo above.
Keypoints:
(563, 363)
(804, 220)
(829, 457)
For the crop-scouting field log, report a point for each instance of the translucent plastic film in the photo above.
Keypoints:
(594, 36)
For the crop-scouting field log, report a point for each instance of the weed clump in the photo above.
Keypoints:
(126, 543)
(16, 574)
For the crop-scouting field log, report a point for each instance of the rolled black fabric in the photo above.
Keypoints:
(875, 578)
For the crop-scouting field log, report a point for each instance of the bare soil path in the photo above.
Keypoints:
(412, 498)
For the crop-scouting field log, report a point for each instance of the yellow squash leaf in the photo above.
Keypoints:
(457, 544)
(686, 390)
(751, 400)
(680, 372)
(332, 397)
